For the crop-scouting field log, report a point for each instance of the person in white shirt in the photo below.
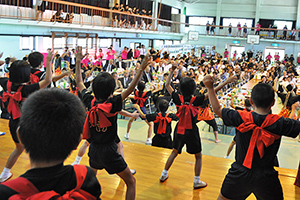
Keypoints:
(143, 52)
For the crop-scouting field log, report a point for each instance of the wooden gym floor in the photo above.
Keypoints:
(149, 162)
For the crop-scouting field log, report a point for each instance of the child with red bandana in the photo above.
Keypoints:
(162, 124)
(186, 131)
(258, 139)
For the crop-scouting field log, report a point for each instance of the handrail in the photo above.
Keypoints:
(77, 5)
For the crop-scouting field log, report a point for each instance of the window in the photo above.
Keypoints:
(176, 42)
(200, 20)
(26, 43)
(82, 42)
(168, 42)
(175, 11)
(281, 24)
(234, 22)
(105, 42)
(159, 43)
(59, 43)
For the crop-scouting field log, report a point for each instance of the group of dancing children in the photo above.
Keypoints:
(51, 117)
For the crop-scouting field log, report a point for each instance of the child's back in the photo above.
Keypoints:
(50, 128)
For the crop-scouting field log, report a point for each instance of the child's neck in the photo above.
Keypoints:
(34, 164)
(262, 111)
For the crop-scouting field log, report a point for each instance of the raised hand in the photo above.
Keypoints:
(78, 54)
(49, 56)
(208, 81)
(145, 62)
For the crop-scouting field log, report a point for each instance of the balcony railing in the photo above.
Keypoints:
(101, 17)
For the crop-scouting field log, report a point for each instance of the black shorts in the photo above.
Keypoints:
(13, 126)
(212, 123)
(240, 182)
(159, 141)
(106, 157)
(191, 139)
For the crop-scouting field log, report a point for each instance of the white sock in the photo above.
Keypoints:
(197, 179)
(148, 139)
(164, 172)
(5, 173)
(77, 160)
(127, 134)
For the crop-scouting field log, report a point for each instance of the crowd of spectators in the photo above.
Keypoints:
(135, 19)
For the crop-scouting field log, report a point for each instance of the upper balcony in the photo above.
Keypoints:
(96, 18)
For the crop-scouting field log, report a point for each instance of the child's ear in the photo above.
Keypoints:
(251, 102)
(18, 135)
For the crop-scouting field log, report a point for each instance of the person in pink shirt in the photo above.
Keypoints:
(269, 57)
(277, 57)
(137, 52)
(239, 29)
(234, 54)
(226, 53)
(258, 26)
(98, 61)
(110, 54)
(124, 53)
(85, 62)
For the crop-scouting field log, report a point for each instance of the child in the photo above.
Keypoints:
(86, 144)
(247, 108)
(16, 90)
(186, 131)
(36, 60)
(258, 139)
(140, 98)
(51, 117)
(101, 132)
(162, 124)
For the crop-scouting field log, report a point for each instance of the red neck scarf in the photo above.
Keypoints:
(97, 117)
(140, 100)
(184, 113)
(14, 98)
(26, 190)
(260, 137)
(162, 127)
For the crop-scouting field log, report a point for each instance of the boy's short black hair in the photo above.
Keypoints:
(262, 95)
(35, 59)
(187, 86)
(103, 85)
(19, 72)
(166, 74)
(141, 86)
(162, 105)
(51, 124)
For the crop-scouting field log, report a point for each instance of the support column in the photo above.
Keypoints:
(298, 16)
(155, 13)
(218, 12)
(257, 12)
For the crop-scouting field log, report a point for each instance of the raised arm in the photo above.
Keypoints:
(294, 107)
(136, 79)
(221, 85)
(128, 114)
(209, 83)
(168, 81)
(58, 77)
(79, 81)
(48, 78)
